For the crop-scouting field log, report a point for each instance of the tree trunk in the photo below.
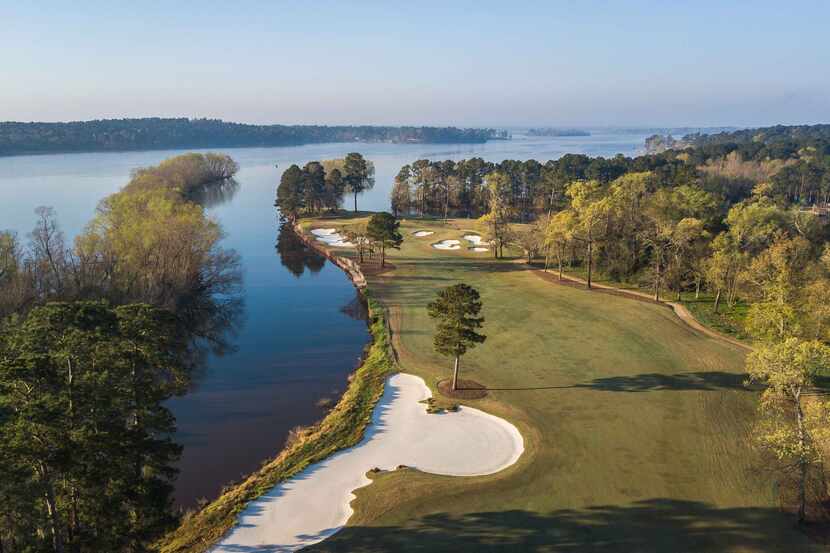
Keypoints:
(657, 278)
(382, 254)
(697, 288)
(52, 511)
(717, 300)
(355, 202)
(802, 462)
(455, 375)
(590, 261)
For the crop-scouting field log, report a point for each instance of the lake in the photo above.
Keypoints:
(301, 331)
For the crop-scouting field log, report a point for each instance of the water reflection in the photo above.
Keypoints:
(295, 255)
(215, 194)
(356, 309)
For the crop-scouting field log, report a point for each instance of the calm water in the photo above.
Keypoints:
(300, 336)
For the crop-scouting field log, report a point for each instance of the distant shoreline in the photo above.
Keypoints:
(151, 134)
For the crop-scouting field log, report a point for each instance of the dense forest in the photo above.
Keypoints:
(155, 133)
(96, 336)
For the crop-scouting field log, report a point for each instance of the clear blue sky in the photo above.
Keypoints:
(504, 63)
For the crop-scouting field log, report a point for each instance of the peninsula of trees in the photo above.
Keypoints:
(153, 133)
(95, 337)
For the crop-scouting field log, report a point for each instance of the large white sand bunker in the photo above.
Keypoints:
(422, 233)
(331, 237)
(447, 245)
(315, 504)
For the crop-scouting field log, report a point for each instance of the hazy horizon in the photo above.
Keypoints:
(483, 64)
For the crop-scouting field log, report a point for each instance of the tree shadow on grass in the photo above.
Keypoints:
(649, 526)
(711, 380)
(647, 382)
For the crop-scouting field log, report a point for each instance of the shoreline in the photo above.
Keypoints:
(342, 428)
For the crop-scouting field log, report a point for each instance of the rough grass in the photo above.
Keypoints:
(728, 320)
(342, 427)
(637, 428)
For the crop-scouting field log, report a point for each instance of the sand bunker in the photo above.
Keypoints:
(475, 240)
(331, 237)
(422, 233)
(315, 504)
(478, 245)
(447, 245)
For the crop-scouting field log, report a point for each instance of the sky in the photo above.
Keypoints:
(463, 63)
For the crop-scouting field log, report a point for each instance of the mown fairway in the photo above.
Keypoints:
(636, 428)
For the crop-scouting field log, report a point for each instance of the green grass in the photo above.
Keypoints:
(637, 428)
(343, 427)
(728, 320)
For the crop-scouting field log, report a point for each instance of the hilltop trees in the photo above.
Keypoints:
(456, 311)
(383, 230)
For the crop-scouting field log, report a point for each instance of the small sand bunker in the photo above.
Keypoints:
(422, 233)
(478, 245)
(475, 240)
(447, 245)
(314, 504)
(331, 237)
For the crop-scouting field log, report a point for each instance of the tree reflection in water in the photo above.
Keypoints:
(295, 255)
(214, 194)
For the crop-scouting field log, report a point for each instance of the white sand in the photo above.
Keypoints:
(422, 233)
(315, 504)
(480, 249)
(447, 245)
(331, 237)
(475, 240)
(323, 231)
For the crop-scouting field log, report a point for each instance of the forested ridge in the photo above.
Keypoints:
(95, 337)
(155, 133)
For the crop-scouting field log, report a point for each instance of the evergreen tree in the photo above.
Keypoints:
(383, 229)
(456, 311)
(290, 196)
(358, 175)
(334, 189)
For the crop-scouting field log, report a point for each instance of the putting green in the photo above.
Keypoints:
(636, 427)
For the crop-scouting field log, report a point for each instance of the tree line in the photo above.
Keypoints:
(322, 185)
(165, 133)
(95, 337)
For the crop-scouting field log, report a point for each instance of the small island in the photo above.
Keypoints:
(554, 132)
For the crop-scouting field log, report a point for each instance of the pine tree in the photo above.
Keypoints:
(456, 311)
(383, 230)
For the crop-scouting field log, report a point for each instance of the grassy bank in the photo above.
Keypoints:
(343, 427)
(637, 428)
